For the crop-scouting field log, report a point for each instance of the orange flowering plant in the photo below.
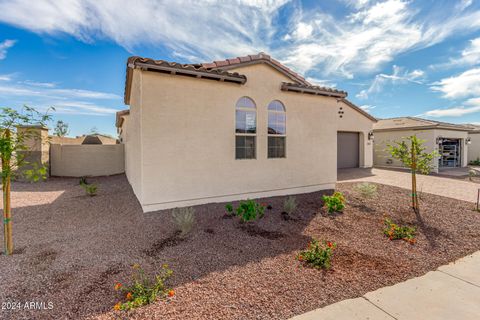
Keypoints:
(395, 232)
(318, 255)
(143, 290)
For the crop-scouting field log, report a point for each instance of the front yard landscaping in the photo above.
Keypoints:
(73, 249)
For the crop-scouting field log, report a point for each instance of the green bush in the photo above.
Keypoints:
(475, 162)
(335, 202)
(318, 255)
(143, 290)
(90, 189)
(184, 219)
(229, 208)
(396, 232)
(247, 210)
(366, 190)
(290, 205)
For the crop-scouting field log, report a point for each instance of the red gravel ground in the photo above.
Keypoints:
(71, 249)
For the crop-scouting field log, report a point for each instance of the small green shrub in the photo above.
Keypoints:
(90, 189)
(335, 202)
(143, 290)
(366, 190)
(184, 219)
(36, 173)
(475, 162)
(472, 174)
(396, 232)
(290, 205)
(229, 208)
(83, 180)
(247, 210)
(318, 255)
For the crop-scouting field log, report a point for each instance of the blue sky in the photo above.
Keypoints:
(394, 57)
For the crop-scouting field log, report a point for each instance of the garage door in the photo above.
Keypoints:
(347, 150)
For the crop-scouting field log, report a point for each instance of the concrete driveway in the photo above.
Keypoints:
(442, 186)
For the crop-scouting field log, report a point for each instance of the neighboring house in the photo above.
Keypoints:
(450, 140)
(474, 146)
(241, 128)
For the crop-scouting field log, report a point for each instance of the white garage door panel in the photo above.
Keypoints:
(347, 150)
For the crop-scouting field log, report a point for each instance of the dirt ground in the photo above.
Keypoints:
(71, 249)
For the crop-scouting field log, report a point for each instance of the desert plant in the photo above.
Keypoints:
(14, 146)
(247, 210)
(335, 202)
(90, 189)
(396, 232)
(366, 190)
(184, 219)
(83, 180)
(290, 205)
(250, 210)
(318, 255)
(475, 162)
(143, 290)
(413, 156)
(472, 174)
(229, 208)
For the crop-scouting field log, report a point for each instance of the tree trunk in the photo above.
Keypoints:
(415, 205)
(7, 214)
(7, 217)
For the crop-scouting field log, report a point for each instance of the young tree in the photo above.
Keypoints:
(61, 129)
(411, 153)
(13, 149)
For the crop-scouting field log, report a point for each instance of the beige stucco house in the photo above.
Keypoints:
(474, 143)
(452, 141)
(241, 128)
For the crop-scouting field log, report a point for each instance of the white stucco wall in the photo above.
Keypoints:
(132, 137)
(384, 138)
(187, 138)
(474, 147)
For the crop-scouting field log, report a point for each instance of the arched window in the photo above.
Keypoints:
(245, 128)
(276, 130)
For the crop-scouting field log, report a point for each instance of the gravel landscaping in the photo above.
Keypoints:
(72, 248)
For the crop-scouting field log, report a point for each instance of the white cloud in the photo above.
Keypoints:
(66, 101)
(321, 82)
(367, 107)
(4, 46)
(472, 105)
(373, 34)
(398, 76)
(464, 85)
(40, 84)
(452, 112)
(5, 77)
(469, 56)
(303, 31)
(83, 108)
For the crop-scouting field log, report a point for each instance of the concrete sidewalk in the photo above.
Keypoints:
(450, 292)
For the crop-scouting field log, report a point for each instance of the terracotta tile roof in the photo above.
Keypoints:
(178, 69)
(252, 59)
(323, 91)
(402, 123)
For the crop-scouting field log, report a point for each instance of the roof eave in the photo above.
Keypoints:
(315, 91)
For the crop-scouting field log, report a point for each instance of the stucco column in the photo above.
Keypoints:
(38, 146)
